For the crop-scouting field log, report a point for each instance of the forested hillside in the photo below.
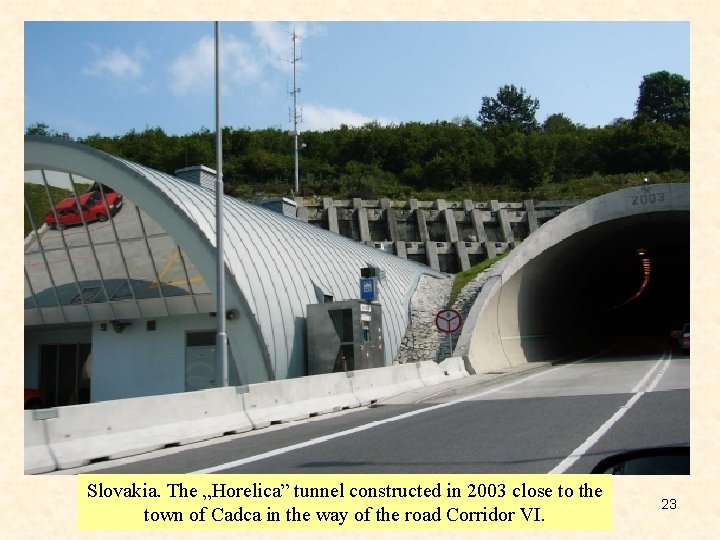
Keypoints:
(503, 153)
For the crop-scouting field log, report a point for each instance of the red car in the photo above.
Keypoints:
(684, 338)
(91, 204)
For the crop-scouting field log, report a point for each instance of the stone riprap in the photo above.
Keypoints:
(423, 341)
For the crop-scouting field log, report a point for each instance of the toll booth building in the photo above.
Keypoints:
(120, 282)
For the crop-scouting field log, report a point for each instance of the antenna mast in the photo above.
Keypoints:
(294, 115)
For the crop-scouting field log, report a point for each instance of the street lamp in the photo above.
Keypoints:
(221, 343)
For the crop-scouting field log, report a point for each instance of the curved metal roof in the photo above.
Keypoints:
(275, 265)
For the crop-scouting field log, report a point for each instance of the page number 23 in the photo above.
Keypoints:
(669, 504)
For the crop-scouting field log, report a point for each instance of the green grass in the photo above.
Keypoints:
(576, 188)
(596, 185)
(465, 277)
(37, 201)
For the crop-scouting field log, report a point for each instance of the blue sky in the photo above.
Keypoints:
(112, 77)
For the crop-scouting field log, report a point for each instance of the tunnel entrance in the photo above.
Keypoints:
(628, 277)
(615, 267)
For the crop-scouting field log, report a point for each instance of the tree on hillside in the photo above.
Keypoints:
(664, 97)
(558, 123)
(41, 128)
(510, 108)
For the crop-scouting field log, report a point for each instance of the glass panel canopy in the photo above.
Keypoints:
(86, 244)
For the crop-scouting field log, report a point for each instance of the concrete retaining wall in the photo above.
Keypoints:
(449, 236)
(68, 437)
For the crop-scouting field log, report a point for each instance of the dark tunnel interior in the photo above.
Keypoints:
(625, 278)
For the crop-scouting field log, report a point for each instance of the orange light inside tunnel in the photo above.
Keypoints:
(646, 279)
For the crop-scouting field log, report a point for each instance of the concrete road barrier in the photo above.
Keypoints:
(73, 436)
(295, 399)
(38, 458)
(449, 369)
(114, 429)
(370, 385)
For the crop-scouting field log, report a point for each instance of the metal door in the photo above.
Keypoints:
(200, 361)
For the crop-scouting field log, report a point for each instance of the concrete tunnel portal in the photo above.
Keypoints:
(617, 266)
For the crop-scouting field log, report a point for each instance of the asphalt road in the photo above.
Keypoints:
(562, 419)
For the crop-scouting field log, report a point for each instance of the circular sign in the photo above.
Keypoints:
(448, 320)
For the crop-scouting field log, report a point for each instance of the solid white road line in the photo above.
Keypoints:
(580, 451)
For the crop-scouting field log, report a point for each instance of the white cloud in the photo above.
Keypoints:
(117, 64)
(239, 62)
(275, 40)
(196, 70)
(306, 30)
(322, 118)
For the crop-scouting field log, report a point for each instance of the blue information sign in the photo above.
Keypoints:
(368, 288)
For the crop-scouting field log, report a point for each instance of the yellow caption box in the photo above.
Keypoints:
(352, 502)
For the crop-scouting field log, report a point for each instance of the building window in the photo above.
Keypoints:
(65, 374)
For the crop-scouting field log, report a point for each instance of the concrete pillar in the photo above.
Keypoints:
(462, 256)
(451, 233)
(440, 204)
(423, 232)
(505, 229)
(468, 205)
(431, 255)
(362, 220)
(478, 225)
(363, 226)
(531, 216)
(302, 213)
(490, 250)
(401, 250)
(331, 212)
(390, 215)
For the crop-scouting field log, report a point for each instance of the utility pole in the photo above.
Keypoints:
(294, 115)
